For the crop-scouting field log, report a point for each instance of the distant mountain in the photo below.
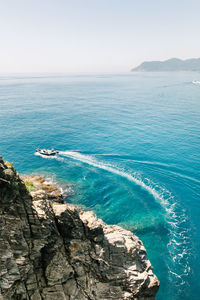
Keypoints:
(173, 64)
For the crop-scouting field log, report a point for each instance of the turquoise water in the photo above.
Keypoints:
(129, 150)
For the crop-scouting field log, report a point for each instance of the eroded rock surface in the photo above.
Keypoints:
(49, 250)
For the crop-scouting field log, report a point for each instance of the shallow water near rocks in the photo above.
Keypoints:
(129, 150)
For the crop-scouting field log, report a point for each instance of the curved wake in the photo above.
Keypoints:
(93, 162)
(179, 243)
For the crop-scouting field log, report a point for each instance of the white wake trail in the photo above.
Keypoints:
(93, 162)
(178, 232)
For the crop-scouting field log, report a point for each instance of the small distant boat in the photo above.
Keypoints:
(196, 81)
(47, 152)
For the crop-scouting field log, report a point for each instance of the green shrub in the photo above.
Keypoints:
(9, 164)
(30, 186)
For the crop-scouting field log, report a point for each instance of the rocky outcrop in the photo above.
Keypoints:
(49, 250)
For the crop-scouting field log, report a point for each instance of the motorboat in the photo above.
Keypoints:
(196, 81)
(47, 152)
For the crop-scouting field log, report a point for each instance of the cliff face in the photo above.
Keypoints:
(49, 250)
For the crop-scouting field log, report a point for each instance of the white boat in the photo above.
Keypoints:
(196, 81)
(47, 152)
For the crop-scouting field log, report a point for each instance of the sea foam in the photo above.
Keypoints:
(179, 240)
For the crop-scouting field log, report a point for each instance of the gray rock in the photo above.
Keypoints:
(49, 250)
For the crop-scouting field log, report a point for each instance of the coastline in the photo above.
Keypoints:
(39, 188)
(73, 255)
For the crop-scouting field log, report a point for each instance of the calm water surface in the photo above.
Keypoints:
(129, 150)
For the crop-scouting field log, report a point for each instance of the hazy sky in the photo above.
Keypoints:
(95, 35)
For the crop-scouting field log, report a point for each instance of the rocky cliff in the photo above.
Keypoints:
(49, 250)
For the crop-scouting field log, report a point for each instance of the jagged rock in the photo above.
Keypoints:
(49, 250)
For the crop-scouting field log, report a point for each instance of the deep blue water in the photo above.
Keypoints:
(130, 152)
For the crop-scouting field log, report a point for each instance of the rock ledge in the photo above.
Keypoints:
(49, 250)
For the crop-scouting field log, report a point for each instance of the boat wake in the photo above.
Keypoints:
(97, 164)
(179, 236)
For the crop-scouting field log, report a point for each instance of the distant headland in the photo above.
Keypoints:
(173, 64)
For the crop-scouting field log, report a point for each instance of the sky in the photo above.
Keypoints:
(77, 36)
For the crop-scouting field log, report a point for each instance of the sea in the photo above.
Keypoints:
(129, 150)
